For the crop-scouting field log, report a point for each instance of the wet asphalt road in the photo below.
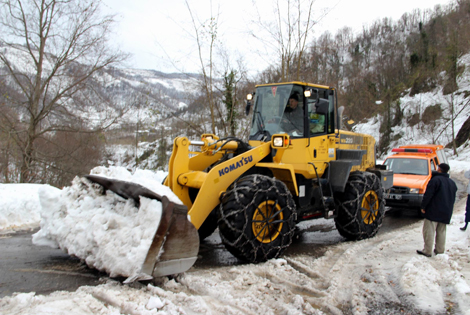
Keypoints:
(25, 267)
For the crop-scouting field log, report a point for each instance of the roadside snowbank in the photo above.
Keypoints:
(19, 206)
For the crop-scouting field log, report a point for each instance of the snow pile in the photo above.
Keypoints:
(19, 204)
(108, 232)
(419, 270)
(110, 298)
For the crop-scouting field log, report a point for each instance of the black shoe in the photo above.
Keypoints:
(465, 227)
(423, 253)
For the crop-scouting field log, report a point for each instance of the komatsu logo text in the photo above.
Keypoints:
(234, 166)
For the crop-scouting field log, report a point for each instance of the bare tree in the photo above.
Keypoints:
(52, 51)
(287, 30)
(213, 61)
(206, 34)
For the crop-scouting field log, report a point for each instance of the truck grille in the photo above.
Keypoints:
(399, 190)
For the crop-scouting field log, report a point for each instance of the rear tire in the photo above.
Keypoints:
(361, 207)
(257, 218)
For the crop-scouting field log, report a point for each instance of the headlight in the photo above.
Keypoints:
(414, 190)
(278, 141)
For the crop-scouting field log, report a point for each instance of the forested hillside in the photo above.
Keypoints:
(374, 67)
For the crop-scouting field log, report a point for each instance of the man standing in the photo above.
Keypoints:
(467, 209)
(437, 206)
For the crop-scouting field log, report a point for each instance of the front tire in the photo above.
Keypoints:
(361, 207)
(257, 218)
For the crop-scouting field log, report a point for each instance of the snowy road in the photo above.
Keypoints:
(319, 274)
(315, 238)
(382, 275)
(30, 268)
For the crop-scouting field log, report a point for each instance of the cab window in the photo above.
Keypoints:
(316, 120)
(433, 165)
(442, 156)
(408, 166)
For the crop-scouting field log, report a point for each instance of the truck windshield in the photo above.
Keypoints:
(408, 166)
(278, 109)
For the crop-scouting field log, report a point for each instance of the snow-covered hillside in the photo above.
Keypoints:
(440, 131)
(154, 95)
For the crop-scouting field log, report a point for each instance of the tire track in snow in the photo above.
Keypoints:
(350, 270)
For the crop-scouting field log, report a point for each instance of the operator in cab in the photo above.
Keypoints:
(293, 115)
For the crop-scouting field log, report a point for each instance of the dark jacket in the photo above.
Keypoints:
(438, 200)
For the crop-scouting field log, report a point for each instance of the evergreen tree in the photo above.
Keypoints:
(230, 100)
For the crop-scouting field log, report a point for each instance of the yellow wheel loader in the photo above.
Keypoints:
(298, 164)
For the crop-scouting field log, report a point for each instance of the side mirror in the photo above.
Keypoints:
(248, 107)
(322, 106)
(249, 98)
(340, 117)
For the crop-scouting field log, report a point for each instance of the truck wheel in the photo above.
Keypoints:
(257, 218)
(361, 207)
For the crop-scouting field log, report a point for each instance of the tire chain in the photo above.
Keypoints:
(242, 241)
(356, 184)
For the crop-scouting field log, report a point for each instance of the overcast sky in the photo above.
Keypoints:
(159, 32)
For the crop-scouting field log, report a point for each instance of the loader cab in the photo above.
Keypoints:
(298, 109)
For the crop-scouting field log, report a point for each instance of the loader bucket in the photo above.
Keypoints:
(175, 244)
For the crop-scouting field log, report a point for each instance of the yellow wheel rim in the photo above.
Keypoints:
(370, 207)
(267, 221)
